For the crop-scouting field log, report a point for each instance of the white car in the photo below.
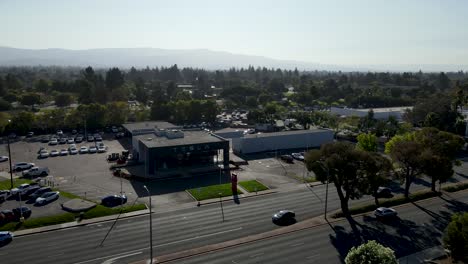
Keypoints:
(101, 149)
(43, 154)
(54, 153)
(47, 197)
(20, 166)
(114, 129)
(83, 150)
(70, 140)
(53, 141)
(384, 212)
(3, 158)
(73, 151)
(4, 195)
(36, 171)
(92, 149)
(72, 146)
(21, 189)
(63, 152)
(60, 132)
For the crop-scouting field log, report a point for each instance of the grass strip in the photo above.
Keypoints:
(5, 184)
(213, 191)
(253, 186)
(388, 203)
(456, 187)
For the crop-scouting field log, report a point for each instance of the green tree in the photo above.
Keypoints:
(63, 99)
(377, 170)
(4, 117)
(4, 105)
(389, 146)
(22, 122)
(371, 253)
(340, 163)
(367, 142)
(456, 237)
(117, 113)
(114, 79)
(42, 86)
(30, 99)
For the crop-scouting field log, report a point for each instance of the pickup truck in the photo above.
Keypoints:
(36, 172)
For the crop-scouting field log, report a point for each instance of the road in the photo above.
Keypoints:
(418, 227)
(173, 231)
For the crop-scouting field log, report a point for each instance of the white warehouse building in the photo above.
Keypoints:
(299, 139)
(379, 113)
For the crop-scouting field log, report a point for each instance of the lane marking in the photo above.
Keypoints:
(165, 244)
(55, 255)
(313, 256)
(110, 261)
(256, 255)
(298, 244)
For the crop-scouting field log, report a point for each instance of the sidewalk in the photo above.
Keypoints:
(423, 256)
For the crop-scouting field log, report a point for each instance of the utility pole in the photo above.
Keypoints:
(150, 225)
(221, 203)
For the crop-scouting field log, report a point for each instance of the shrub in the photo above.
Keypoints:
(371, 253)
(456, 236)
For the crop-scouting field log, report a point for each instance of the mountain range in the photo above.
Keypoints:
(197, 58)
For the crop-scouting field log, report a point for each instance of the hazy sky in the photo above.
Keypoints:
(323, 31)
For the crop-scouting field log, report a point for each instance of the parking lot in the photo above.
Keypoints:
(51, 208)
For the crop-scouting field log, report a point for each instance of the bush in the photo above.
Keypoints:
(371, 253)
(456, 236)
(456, 187)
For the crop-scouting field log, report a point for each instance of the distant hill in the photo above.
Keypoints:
(200, 58)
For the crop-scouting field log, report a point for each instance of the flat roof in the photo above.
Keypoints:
(148, 125)
(230, 129)
(284, 133)
(190, 138)
(386, 109)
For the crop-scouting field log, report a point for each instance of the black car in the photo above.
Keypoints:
(119, 135)
(30, 134)
(287, 158)
(284, 217)
(384, 192)
(24, 211)
(90, 138)
(63, 140)
(39, 192)
(45, 139)
(114, 200)
(78, 139)
(30, 191)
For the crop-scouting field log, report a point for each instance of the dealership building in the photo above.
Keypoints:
(166, 150)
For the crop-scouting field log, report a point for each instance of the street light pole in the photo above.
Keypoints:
(326, 193)
(9, 158)
(221, 203)
(150, 225)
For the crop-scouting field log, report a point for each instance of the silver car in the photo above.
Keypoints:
(384, 212)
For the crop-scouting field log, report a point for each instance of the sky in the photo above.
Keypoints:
(357, 32)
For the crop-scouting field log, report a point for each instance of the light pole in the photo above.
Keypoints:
(9, 158)
(221, 203)
(150, 225)
(326, 188)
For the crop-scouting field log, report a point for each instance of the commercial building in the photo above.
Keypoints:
(167, 152)
(299, 139)
(379, 113)
(230, 132)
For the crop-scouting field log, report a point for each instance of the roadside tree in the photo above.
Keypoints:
(367, 142)
(371, 253)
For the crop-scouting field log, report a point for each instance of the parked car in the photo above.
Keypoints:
(114, 129)
(73, 151)
(6, 237)
(384, 212)
(287, 158)
(20, 166)
(384, 192)
(36, 172)
(90, 138)
(101, 149)
(114, 200)
(29, 191)
(83, 150)
(119, 135)
(3, 158)
(30, 134)
(43, 153)
(62, 141)
(284, 217)
(12, 136)
(98, 138)
(47, 197)
(78, 139)
(54, 153)
(59, 132)
(92, 149)
(298, 156)
(6, 216)
(22, 211)
(4, 195)
(74, 132)
(53, 141)
(70, 140)
(63, 152)
(45, 139)
(39, 192)
(20, 189)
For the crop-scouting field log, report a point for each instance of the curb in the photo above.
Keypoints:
(266, 192)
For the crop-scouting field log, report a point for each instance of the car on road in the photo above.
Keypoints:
(287, 158)
(6, 237)
(63, 152)
(73, 151)
(36, 172)
(3, 158)
(298, 156)
(39, 192)
(22, 211)
(385, 212)
(78, 139)
(53, 141)
(47, 197)
(20, 166)
(90, 138)
(284, 217)
(54, 153)
(4, 195)
(70, 140)
(43, 153)
(92, 149)
(384, 192)
(114, 200)
(83, 150)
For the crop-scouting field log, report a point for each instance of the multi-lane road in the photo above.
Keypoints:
(185, 229)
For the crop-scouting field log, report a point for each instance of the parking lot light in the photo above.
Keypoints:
(9, 158)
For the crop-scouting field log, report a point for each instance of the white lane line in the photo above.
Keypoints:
(295, 245)
(170, 243)
(313, 256)
(256, 255)
(110, 261)
(55, 255)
